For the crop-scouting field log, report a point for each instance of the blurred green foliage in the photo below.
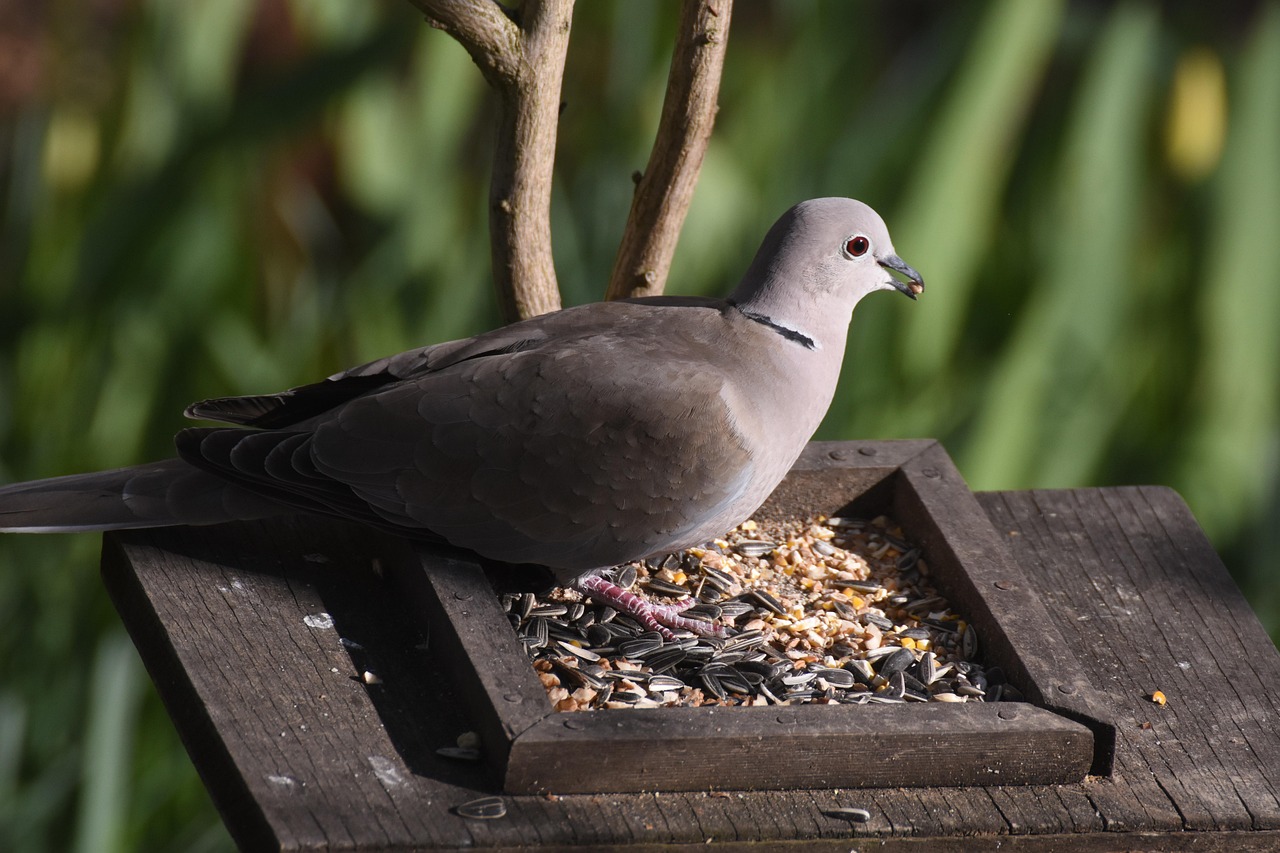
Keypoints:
(200, 199)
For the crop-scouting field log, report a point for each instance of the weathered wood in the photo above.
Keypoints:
(494, 675)
(917, 485)
(813, 746)
(286, 744)
(983, 582)
(1164, 615)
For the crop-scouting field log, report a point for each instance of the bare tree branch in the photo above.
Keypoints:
(688, 113)
(521, 53)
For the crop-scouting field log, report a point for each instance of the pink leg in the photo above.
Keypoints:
(663, 618)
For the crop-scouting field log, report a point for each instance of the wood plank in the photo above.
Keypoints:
(983, 582)
(1154, 608)
(297, 752)
(456, 600)
(285, 743)
(805, 746)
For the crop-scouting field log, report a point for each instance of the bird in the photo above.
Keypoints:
(580, 440)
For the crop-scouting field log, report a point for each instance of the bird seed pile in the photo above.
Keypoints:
(829, 610)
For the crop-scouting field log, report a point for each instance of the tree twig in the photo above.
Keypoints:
(521, 53)
(665, 189)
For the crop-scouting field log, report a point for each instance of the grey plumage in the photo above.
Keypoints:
(578, 440)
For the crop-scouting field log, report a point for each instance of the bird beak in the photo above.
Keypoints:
(913, 286)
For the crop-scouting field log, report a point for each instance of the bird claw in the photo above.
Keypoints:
(665, 619)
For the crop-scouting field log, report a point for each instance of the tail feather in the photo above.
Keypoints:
(160, 494)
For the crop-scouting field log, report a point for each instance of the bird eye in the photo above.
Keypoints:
(857, 246)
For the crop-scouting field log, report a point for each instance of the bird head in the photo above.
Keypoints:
(819, 259)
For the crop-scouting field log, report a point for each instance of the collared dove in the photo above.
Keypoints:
(579, 440)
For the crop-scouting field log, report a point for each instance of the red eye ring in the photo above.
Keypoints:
(857, 246)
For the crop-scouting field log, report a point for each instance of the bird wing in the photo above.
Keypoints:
(573, 444)
(286, 408)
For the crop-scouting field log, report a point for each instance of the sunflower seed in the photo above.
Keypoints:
(927, 603)
(861, 670)
(485, 808)
(664, 683)
(743, 640)
(722, 581)
(578, 651)
(712, 685)
(625, 577)
(850, 814)
(896, 662)
(837, 677)
(559, 630)
(796, 679)
(760, 668)
(825, 549)
(661, 587)
(638, 647)
(755, 547)
(549, 610)
(768, 602)
(708, 594)
(598, 636)
(969, 642)
(845, 612)
(928, 668)
(882, 622)
(733, 681)
(698, 615)
(665, 658)
(733, 609)
(908, 560)
(459, 753)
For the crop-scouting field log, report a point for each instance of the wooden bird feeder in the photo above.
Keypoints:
(314, 669)
(1057, 736)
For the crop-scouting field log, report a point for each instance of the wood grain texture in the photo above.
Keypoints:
(301, 757)
(813, 746)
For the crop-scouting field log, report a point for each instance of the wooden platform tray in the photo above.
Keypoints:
(1055, 737)
(256, 636)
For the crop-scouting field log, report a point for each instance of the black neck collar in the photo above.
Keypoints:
(790, 334)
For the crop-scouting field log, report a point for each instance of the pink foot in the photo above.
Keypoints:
(663, 618)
